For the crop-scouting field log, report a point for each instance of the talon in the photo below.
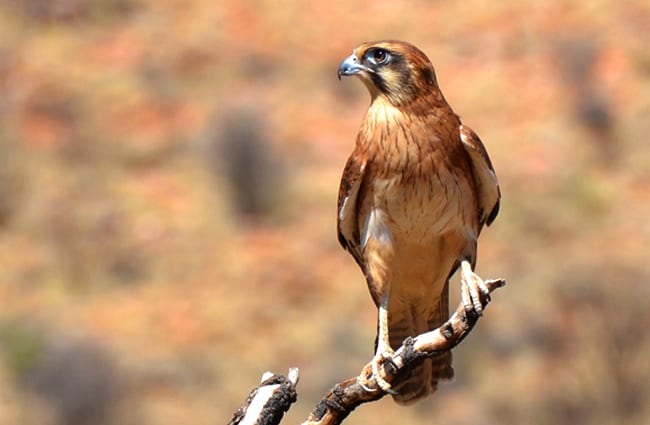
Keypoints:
(363, 378)
(383, 384)
(388, 358)
(476, 297)
(465, 296)
(364, 386)
(485, 291)
(475, 293)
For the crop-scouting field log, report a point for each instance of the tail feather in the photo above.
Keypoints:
(423, 379)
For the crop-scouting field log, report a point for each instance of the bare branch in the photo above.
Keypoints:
(267, 403)
(341, 400)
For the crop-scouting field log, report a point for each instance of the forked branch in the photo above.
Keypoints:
(345, 396)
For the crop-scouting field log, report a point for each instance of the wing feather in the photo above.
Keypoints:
(347, 222)
(485, 178)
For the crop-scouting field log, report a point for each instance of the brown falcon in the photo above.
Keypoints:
(414, 196)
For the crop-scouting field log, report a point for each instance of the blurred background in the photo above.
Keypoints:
(168, 180)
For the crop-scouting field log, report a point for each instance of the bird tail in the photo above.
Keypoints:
(423, 379)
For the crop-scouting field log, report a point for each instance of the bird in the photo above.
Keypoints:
(414, 196)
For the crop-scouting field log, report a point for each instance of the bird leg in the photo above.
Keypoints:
(383, 353)
(474, 292)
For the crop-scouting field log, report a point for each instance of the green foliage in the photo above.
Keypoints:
(22, 346)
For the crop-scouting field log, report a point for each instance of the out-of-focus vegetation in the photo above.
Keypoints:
(168, 178)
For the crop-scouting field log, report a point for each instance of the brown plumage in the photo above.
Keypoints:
(414, 196)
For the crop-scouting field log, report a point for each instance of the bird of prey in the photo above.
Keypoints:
(414, 196)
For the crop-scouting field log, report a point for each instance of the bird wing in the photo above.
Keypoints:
(485, 179)
(347, 222)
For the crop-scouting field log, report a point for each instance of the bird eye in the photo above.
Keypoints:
(379, 56)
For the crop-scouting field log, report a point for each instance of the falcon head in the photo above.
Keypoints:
(396, 70)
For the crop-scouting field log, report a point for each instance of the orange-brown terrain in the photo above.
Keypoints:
(168, 180)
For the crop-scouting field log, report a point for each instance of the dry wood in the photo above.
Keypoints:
(345, 396)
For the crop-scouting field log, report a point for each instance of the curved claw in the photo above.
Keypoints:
(364, 386)
(372, 371)
(383, 384)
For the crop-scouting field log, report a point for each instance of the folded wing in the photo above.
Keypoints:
(485, 179)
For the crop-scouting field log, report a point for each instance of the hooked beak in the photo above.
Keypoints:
(351, 66)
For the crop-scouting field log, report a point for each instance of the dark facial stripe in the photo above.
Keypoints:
(406, 76)
(398, 67)
(379, 82)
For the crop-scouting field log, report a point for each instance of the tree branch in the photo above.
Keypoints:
(267, 403)
(341, 400)
(345, 396)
